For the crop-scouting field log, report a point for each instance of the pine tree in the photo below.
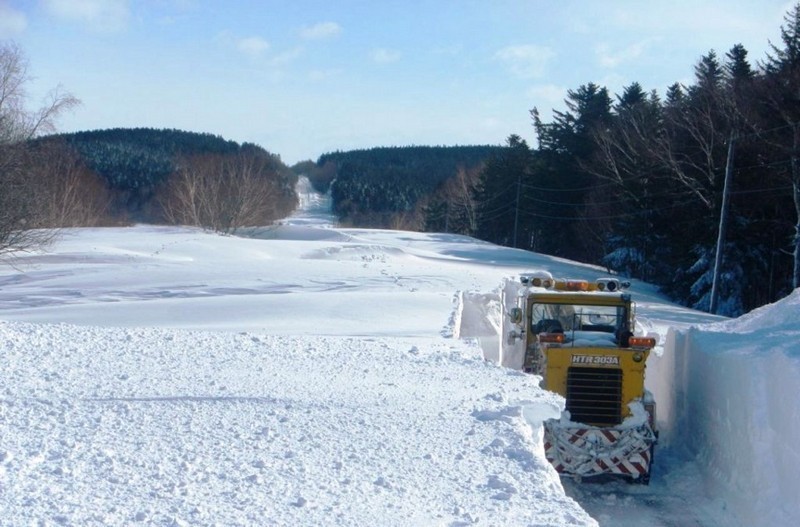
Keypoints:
(566, 147)
(627, 210)
(497, 193)
(781, 92)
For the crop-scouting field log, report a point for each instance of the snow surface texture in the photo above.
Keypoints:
(305, 376)
(737, 386)
(116, 426)
(309, 375)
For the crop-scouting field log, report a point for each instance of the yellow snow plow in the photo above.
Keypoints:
(580, 337)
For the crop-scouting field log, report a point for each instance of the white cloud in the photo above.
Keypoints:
(184, 5)
(611, 58)
(321, 31)
(384, 56)
(253, 46)
(323, 75)
(526, 61)
(492, 123)
(546, 98)
(12, 22)
(615, 83)
(452, 50)
(693, 16)
(547, 93)
(286, 57)
(99, 15)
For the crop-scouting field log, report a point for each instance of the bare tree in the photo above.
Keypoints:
(453, 207)
(697, 131)
(19, 213)
(781, 100)
(460, 193)
(223, 192)
(182, 201)
(67, 193)
(409, 220)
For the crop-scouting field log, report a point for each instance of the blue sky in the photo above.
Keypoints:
(305, 77)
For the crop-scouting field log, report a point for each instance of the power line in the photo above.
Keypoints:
(582, 217)
(761, 132)
(572, 189)
(756, 191)
(626, 197)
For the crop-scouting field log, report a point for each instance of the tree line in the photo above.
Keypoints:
(50, 181)
(186, 178)
(390, 187)
(696, 190)
(637, 182)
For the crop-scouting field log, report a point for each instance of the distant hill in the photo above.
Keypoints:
(135, 162)
(371, 187)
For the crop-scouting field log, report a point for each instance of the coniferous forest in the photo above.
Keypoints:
(696, 190)
(392, 187)
(636, 182)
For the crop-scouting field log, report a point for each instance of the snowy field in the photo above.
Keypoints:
(308, 375)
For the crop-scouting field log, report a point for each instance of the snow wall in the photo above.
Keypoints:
(479, 316)
(728, 395)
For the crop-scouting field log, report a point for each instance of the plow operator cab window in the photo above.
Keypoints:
(582, 325)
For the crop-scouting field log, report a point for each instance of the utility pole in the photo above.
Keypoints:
(516, 209)
(796, 196)
(723, 220)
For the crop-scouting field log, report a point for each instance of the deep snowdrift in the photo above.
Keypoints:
(738, 409)
(168, 376)
(118, 426)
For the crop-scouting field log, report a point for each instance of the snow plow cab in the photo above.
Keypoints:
(579, 336)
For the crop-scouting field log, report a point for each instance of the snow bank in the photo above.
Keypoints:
(736, 407)
(106, 426)
(477, 317)
(302, 377)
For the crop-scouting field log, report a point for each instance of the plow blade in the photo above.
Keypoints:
(584, 452)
